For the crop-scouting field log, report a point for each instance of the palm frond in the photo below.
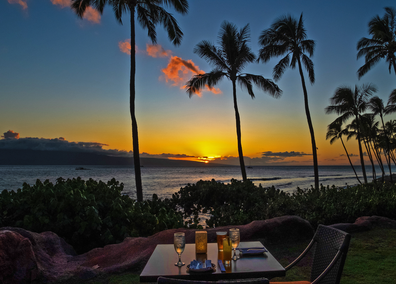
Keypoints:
(267, 85)
(208, 51)
(199, 81)
(376, 105)
(308, 46)
(79, 6)
(367, 66)
(245, 83)
(174, 32)
(280, 68)
(147, 21)
(309, 66)
(180, 6)
(392, 97)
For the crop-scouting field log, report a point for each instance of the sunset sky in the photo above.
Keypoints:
(61, 76)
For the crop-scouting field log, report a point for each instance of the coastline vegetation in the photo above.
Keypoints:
(90, 214)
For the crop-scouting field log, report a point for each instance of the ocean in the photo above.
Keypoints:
(164, 181)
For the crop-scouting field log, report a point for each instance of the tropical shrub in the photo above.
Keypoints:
(243, 202)
(230, 204)
(87, 214)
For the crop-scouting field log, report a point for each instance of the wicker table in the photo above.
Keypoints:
(162, 263)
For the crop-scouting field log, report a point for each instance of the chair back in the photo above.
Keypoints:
(165, 280)
(328, 242)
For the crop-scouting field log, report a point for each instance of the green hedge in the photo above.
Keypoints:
(243, 202)
(89, 214)
(86, 214)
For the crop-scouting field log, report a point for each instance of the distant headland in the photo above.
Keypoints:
(36, 157)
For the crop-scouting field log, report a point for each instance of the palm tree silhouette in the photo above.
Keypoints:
(288, 36)
(348, 104)
(381, 45)
(148, 13)
(377, 107)
(335, 132)
(229, 59)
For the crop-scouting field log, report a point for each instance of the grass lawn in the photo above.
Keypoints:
(371, 259)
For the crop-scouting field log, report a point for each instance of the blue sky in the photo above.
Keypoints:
(61, 76)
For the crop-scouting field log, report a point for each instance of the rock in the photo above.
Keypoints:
(26, 256)
(18, 263)
(366, 223)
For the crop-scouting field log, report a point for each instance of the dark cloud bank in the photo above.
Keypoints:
(58, 151)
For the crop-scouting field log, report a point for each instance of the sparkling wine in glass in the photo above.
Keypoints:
(179, 240)
(235, 239)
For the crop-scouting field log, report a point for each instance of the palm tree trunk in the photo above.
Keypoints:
(311, 130)
(370, 156)
(360, 150)
(238, 129)
(350, 162)
(387, 155)
(379, 159)
(135, 138)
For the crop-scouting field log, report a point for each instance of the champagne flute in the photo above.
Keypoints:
(179, 240)
(235, 239)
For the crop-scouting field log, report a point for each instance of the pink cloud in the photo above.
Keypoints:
(90, 13)
(157, 51)
(125, 46)
(179, 71)
(20, 2)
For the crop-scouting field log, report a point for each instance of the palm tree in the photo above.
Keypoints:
(377, 107)
(390, 127)
(382, 44)
(348, 104)
(229, 58)
(288, 36)
(335, 132)
(148, 13)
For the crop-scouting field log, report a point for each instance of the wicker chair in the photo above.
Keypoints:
(165, 280)
(330, 249)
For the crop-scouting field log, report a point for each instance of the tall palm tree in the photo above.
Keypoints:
(229, 59)
(149, 13)
(377, 107)
(288, 36)
(348, 104)
(382, 44)
(370, 136)
(335, 132)
(390, 127)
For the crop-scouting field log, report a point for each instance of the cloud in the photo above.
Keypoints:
(267, 158)
(56, 144)
(179, 71)
(125, 46)
(20, 2)
(62, 3)
(157, 51)
(167, 156)
(11, 141)
(282, 155)
(350, 155)
(90, 13)
(11, 135)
